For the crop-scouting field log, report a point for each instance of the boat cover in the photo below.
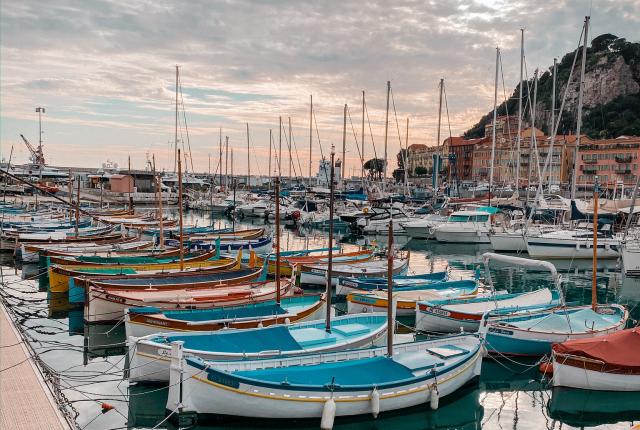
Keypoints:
(619, 351)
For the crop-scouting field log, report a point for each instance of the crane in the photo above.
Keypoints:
(37, 157)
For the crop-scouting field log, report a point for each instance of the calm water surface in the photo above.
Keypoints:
(509, 395)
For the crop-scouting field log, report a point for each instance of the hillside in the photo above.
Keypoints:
(611, 105)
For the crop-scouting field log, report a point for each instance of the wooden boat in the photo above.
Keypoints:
(149, 255)
(259, 246)
(605, 363)
(145, 321)
(533, 333)
(451, 316)
(407, 297)
(287, 263)
(109, 304)
(253, 233)
(149, 355)
(355, 382)
(59, 275)
(346, 286)
(316, 274)
(129, 246)
(30, 251)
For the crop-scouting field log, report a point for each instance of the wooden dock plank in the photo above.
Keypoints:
(25, 400)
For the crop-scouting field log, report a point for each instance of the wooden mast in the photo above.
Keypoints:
(329, 290)
(180, 210)
(390, 322)
(277, 234)
(594, 280)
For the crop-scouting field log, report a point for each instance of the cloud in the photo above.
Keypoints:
(104, 69)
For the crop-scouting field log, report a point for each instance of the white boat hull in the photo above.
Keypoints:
(539, 247)
(508, 242)
(631, 261)
(461, 236)
(255, 401)
(586, 379)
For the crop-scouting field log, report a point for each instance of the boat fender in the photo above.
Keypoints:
(260, 325)
(546, 368)
(434, 399)
(287, 321)
(375, 403)
(328, 414)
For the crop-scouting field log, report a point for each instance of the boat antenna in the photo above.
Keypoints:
(390, 322)
(330, 259)
(277, 233)
(594, 277)
(180, 210)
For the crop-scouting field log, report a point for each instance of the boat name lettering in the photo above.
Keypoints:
(164, 352)
(437, 311)
(223, 380)
(115, 298)
(500, 331)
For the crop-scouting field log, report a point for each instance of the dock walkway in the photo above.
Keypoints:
(26, 402)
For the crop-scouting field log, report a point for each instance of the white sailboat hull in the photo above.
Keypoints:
(548, 247)
(508, 242)
(631, 261)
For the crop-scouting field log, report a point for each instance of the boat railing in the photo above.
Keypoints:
(525, 262)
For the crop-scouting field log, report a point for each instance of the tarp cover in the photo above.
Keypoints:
(620, 350)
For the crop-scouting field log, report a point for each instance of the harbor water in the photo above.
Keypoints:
(90, 361)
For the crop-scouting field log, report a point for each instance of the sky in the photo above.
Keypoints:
(105, 72)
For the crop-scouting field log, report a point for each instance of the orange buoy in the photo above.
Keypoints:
(106, 407)
(546, 368)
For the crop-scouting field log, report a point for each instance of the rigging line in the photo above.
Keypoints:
(295, 148)
(315, 121)
(288, 140)
(506, 109)
(255, 157)
(373, 143)
(355, 136)
(186, 128)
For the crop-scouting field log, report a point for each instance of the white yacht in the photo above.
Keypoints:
(573, 243)
(466, 226)
(424, 227)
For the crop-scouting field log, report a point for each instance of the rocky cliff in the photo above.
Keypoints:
(611, 100)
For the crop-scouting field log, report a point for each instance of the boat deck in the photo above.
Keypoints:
(25, 399)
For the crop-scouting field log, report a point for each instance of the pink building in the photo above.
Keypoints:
(614, 161)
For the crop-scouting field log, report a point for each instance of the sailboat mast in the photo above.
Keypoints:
(330, 259)
(406, 153)
(270, 145)
(226, 163)
(533, 150)
(517, 176)
(553, 112)
(175, 140)
(180, 210)
(220, 159)
(280, 150)
(390, 322)
(362, 138)
(594, 270)
(343, 166)
(386, 130)
(583, 62)
(495, 120)
(248, 160)
(436, 162)
(310, 135)
(290, 155)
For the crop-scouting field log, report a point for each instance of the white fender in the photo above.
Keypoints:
(328, 415)
(434, 399)
(375, 403)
